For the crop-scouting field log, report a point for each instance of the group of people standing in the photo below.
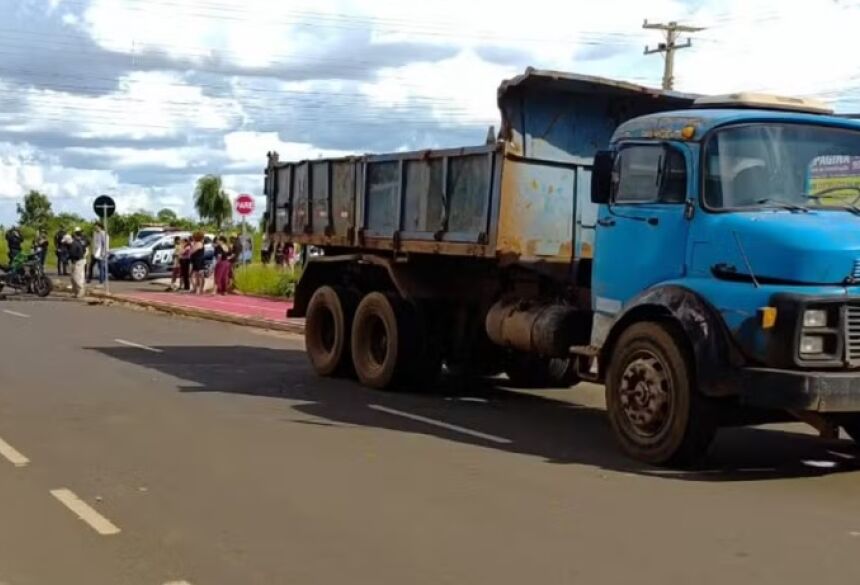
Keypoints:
(15, 244)
(78, 257)
(284, 254)
(190, 268)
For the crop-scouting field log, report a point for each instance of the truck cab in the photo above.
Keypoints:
(727, 261)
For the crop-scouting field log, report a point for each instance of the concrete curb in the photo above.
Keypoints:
(297, 328)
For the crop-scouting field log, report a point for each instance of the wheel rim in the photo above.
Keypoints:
(138, 272)
(646, 395)
(378, 342)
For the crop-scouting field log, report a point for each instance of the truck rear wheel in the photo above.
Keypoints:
(328, 323)
(377, 341)
(656, 412)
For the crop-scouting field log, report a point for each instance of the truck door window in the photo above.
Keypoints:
(649, 174)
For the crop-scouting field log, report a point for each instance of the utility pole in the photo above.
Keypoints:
(669, 47)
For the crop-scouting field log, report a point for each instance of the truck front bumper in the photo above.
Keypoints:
(799, 390)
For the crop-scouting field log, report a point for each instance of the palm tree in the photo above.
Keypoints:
(211, 202)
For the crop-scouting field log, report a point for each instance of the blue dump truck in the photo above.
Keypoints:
(696, 255)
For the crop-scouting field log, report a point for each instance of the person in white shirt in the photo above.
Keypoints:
(99, 248)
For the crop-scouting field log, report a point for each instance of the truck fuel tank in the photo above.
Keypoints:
(537, 326)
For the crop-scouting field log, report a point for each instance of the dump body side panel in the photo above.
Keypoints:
(313, 202)
(436, 201)
(552, 124)
(522, 200)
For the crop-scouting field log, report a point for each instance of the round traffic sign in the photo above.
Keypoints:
(104, 205)
(244, 204)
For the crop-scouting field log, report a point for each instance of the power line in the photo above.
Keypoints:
(669, 47)
(220, 12)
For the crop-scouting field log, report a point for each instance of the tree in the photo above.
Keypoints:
(166, 216)
(211, 202)
(36, 211)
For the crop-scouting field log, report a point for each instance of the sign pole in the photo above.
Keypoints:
(106, 250)
(105, 207)
(244, 207)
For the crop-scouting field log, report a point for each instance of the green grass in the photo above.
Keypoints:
(266, 280)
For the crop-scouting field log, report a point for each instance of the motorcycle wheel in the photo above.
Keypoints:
(42, 286)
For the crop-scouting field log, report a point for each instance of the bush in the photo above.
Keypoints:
(266, 280)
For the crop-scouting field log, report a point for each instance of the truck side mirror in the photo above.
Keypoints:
(601, 176)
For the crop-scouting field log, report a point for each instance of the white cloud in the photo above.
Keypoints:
(146, 104)
(251, 147)
(462, 88)
(198, 31)
(187, 157)
(792, 48)
(809, 47)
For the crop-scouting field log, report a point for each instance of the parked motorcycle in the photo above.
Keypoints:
(26, 275)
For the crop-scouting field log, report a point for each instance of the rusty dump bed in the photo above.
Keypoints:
(524, 199)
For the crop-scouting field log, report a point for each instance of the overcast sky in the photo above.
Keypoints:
(138, 98)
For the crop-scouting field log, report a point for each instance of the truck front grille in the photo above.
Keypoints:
(852, 334)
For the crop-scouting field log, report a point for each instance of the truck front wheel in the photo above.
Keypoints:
(327, 328)
(656, 412)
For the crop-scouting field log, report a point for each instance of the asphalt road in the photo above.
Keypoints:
(204, 453)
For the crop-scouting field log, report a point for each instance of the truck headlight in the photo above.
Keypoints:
(815, 318)
(811, 344)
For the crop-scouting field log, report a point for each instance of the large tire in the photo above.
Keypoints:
(328, 322)
(377, 341)
(389, 345)
(531, 371)
(652, 401)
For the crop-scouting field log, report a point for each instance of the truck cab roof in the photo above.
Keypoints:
(669, 125)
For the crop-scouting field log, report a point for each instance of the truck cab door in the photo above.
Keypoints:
(641, 233)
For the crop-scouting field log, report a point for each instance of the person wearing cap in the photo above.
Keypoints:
(77, 248)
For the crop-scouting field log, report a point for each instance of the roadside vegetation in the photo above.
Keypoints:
(35, 212)
(266, 280)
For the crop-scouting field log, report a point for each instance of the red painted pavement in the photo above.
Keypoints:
(258, 308)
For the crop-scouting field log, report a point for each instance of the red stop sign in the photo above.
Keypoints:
(244, 205)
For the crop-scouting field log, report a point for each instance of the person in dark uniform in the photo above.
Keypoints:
(62, 251)
(14, 241)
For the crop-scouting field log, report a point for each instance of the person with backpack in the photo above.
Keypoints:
(78, 258)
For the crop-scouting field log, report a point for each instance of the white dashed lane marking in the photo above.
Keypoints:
(138, 346)
(440, 424)
(16, 314)
(12, 455)
(85, 512)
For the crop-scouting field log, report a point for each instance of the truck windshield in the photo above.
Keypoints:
(783, 166)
